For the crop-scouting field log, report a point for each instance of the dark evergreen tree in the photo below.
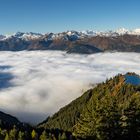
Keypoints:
(13, 133)
(21, 135)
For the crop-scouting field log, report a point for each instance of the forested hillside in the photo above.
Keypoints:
(109, 111)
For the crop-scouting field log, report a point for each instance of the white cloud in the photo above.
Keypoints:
(38, 83)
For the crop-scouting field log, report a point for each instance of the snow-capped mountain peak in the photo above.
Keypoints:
(110, 33)
(27, 35)
(2, 37)
(122, 31)
(24, 36)
(70, 35)
(89, 33)
(136, 31)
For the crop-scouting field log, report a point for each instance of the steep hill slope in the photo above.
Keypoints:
(108, 111)
(67, 116)
(7, 120)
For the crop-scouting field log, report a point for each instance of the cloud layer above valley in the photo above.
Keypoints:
(36, 84)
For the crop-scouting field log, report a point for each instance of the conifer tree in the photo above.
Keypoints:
(7, 137)
(63, 137)
(12, 133)
(34, 135)
(43, 135)
(21, 135)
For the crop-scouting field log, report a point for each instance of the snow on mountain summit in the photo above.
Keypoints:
(89, 33)
(71, 35)
(122, 31)
(118, 32)
(136, 31)
(21, 35)
(27, 36)
(2, 37)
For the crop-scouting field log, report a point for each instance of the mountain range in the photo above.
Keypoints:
(86, 42)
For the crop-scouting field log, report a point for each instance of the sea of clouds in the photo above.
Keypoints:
(35, 84)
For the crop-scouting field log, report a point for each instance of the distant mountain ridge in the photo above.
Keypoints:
(86, 42)
(79, 34)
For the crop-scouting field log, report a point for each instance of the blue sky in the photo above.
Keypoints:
(61, 15)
